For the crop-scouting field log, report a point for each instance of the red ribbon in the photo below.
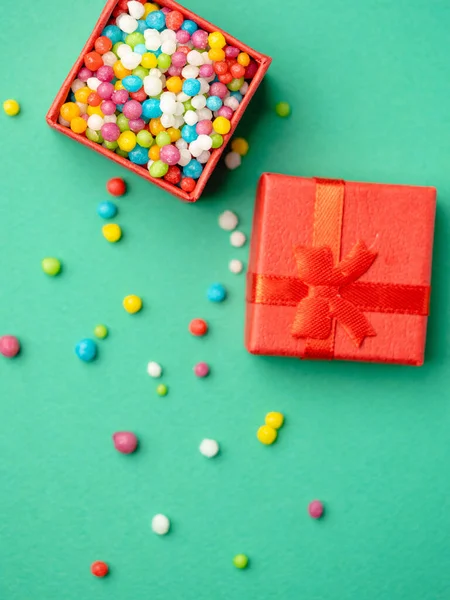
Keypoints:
(326, 289)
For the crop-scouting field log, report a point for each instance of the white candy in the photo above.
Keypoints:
(179, 109)
(204, 114)
(237, 239)
(195, 149)
(131, 60)
(204, 157)
(152, 42)
(179, 122)
(76, 85)
(83, 107)
(233, 160)
(232, 103)
(151, 33)
(168, 105)
(198, 101)
(152, 86)
(149, 164)
(124, 49)
(155, 73)
(185, 157)
(209, 448)
(167, 120)
(110, 119)
(228, 220)
(95, 122)
(63, 122)
(204, 141)
(169, 47)
(160, 524)
(181, 144)
(168, 35)
(190, 72)
(204, 86)
(109, 58)
(194, 57)
(182, 97)
(191, 118)
(170, 95)
(244, 88)
(235, 266)
(126, 23)
(154, 369)
(136, 9)
(93, 83)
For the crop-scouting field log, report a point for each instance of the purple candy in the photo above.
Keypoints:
(108, 107)
(119, 96)
(132, 109)
(232, 52)
(225, 111)
(125, 442)
(105, 90)
(110, 132)
(218, 89)
(200, 39)
(183, 36)
(206, 71)
(84, 74)
(105, 73)
(169, 154)
(179, 58)
(204, 127)
(136, 124)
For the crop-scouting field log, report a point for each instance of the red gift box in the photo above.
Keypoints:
(262, 61)
(340, 270)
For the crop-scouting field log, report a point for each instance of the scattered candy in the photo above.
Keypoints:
(266, 435)
(152, 72)
(101, 331)
(233, 160)
(99, 569)
(11, 107)
(9, 346)
(162, 389)
(198, 327)
(240, 561)
(209, 448)
(107, 209)
(283, 109)
(237, 239)
(112, 232)
(86, 350)
(235, 266)
(315, 509)
(201, 369)
(154, 369)
(228, 220)
(115, 186)
(240, 146)
(51, 266)
(132, 304)
(160, 524)
(125, 442)
(274, 419)
(216, 293)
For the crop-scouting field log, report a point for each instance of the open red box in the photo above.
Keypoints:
(53, 114)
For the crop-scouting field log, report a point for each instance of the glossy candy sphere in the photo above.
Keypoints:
(283, 109)
(51, 266)
(315, 509)
(99, 569)
(198, 327)
(112, 232)
(240, 561)
(266, 435)
(86, 350)
(101, 332)
(132, 304)
(216, 293)
(9, 346)
(11, 107)
(116, 186)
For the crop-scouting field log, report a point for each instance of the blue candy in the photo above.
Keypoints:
(132, 83)
(107, 209)
(236, 95)
(193, 169)
(214, 103)
(142, 26)
(189, 134)
(191, 87)
(189, 26)
(157, 52)
(124, 36)
(216, 292)
(139, 155)
(113, 33)
(151, 109)
(140, 49)
(86, 350)
(156, 20)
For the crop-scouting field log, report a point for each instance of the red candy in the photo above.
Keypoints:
(103, 44)
(140, 95)
(9, 346)
(250, 71)
(220, 67)
(226, 78)
(173, 175)
(94, 99)
(187, 184)
(116, 186)
(93, 61)
(237, 71)
(174, 20)
(198, 327)
(99, 569)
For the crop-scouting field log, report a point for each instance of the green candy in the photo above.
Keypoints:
(283, 109)
(236, 84)
(217, 140)
(110, 145)
(144, 138)
(163, 139)
(51, 266)
(133, 39)
(240, 561)
(94, 136)
(164, 61)
(140, 72)
(158, 169)
(101, 332)
(188, 105)
(122, 153)
(162, 389)
(122, 123)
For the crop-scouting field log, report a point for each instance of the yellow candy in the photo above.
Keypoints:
(95, 110)
(119, 85)
(221, 125)
(83, 94)
(120, 71)
(174, 84)
(70, 111)
(78, 125)
(149, 60)
(148, 9)
(216, 40)
(11, 107)
(266, 435)
(112, 232)
(240, 146)
(127, 141)
(175, 134)
(216, 54)
(156, 126)
(243, 59)
(274, 420)
(132, 304)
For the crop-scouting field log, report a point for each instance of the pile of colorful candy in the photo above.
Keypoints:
(159, 91)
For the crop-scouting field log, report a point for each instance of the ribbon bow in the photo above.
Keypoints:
(324, 301)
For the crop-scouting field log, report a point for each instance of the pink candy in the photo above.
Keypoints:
(132, 109)
(315, 509)
(108, 107)
(9, 346)
(200, 39)
(84, 74)
(201, 369)
(136, 125)
(170, 154)
(232, 52)
(110, 132)
(179, 58)
(119, 96)
(225, 111)
(125, 442)
(105, 73)
(206, 71)
(182, 37)
(218, 89)
(204, 127)
(174, 71)
(105, 90)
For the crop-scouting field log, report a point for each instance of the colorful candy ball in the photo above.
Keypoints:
(198, 327)
(154, 369)
(11, 107)
(101, 332)
(9, 346)
(86, 350)
(125, 442)
(51, 266)
(240, 561)
(116, 186)
(266, 435)
(112, 232)
(201, 369)
(216, 293)
(99, 569)
(107, 209)
(283, 109)
(209, 448)
(315, 509)
(132, 304)
(160, 524)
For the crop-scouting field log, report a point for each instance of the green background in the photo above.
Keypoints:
(369, 83)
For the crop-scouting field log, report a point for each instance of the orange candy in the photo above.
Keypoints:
(94, 99)
(237, 71)
(103, 44)
(156, 127)
(93, 61)
(120, 71)
(175, 134)
(243, 59)
(78, 125)
(70, 111)
(153, 153)
(174, 84)
(83, 94)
